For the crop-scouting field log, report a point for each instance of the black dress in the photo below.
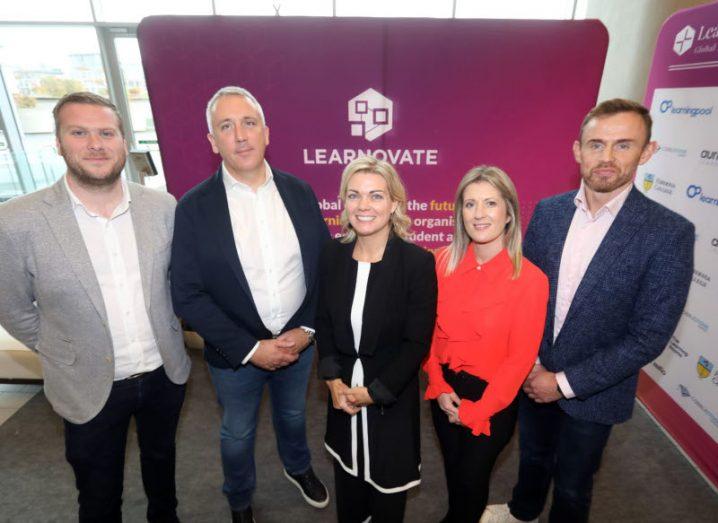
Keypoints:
(397, 325)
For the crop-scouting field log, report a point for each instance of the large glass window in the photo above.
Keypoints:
(135, 10)
(275, 7)
(46, 10)
(395, 8)
(10, 180)
(141, 121)
(39, 65)
(545, 9)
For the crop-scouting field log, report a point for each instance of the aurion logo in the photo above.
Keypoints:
(668, 106)
(684, 40)
(371, 115)
(708, 156)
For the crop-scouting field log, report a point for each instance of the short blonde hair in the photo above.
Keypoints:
(400, 221)
(498, 179)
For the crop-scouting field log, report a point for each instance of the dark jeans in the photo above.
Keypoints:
(469, 459)
(239, 392)
(96, 449)
(556, 446)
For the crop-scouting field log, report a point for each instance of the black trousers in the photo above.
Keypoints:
(357, 500)
(96, 449)
(469, 459)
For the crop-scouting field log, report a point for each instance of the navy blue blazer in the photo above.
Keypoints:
(625, 308)
(209, 289)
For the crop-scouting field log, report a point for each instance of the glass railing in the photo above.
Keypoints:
(26, 172)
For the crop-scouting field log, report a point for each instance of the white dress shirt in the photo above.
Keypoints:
(112, 247)
(268, 250)
(585, 235)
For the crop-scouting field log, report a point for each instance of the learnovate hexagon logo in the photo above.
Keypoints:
(684, 40)
(370, 114)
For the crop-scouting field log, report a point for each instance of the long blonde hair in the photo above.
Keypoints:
(512, 232)
(400, 221)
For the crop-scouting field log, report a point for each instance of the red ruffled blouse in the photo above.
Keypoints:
(488, 325)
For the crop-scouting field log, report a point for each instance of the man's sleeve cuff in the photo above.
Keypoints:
(313, 331)
(563, 384)
(250, 354)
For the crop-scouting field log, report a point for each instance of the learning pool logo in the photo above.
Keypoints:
(370, 114)
(696, 191)
(667, 106)
(684, 40)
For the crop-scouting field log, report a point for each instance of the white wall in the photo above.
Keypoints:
(633, 26)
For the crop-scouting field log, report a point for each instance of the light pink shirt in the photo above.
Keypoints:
(582, 241)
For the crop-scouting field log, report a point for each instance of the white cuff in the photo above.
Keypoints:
(308, 328)
(250, 354)
(563, 384)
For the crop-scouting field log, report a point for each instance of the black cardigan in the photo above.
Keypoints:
(397, 324)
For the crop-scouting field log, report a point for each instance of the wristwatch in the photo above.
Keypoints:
(310, 335)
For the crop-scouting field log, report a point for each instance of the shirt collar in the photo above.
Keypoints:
(230, 182)
(497, 266)
(611, 207)
(122, 207)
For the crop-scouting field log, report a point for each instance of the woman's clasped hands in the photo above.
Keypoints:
(449, 403)
(348, 399)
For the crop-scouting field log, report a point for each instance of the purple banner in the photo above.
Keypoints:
(434, 97)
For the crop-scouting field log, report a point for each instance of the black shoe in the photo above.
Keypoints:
(311, 487)
(243, 516)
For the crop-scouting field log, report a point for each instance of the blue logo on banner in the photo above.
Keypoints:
(667, 105)
(696, 191)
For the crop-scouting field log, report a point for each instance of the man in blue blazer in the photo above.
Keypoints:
(619, 267)
(244, 276)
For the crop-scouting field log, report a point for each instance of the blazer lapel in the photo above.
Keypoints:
(61, 220)
(377, 298)
(343, 291)
(624, 227)
(144, 239)
(215, 207)
(556, 243)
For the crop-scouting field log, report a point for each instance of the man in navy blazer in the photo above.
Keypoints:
(619, 267)
(244, 275)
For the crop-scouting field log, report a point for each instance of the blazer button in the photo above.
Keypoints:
(108, 359)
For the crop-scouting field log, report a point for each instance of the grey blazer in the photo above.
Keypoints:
(51, 301)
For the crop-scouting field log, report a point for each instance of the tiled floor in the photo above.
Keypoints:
(12, 397)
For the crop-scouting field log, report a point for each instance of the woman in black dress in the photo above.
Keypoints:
(377, 305)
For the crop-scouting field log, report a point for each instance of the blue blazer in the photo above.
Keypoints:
(209, 289)
(625, 308)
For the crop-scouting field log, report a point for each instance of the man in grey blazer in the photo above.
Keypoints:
(619, 267)
(84, 275)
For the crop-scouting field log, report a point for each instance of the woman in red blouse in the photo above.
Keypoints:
(490, 319)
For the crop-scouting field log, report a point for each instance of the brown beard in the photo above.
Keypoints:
(86, 179)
